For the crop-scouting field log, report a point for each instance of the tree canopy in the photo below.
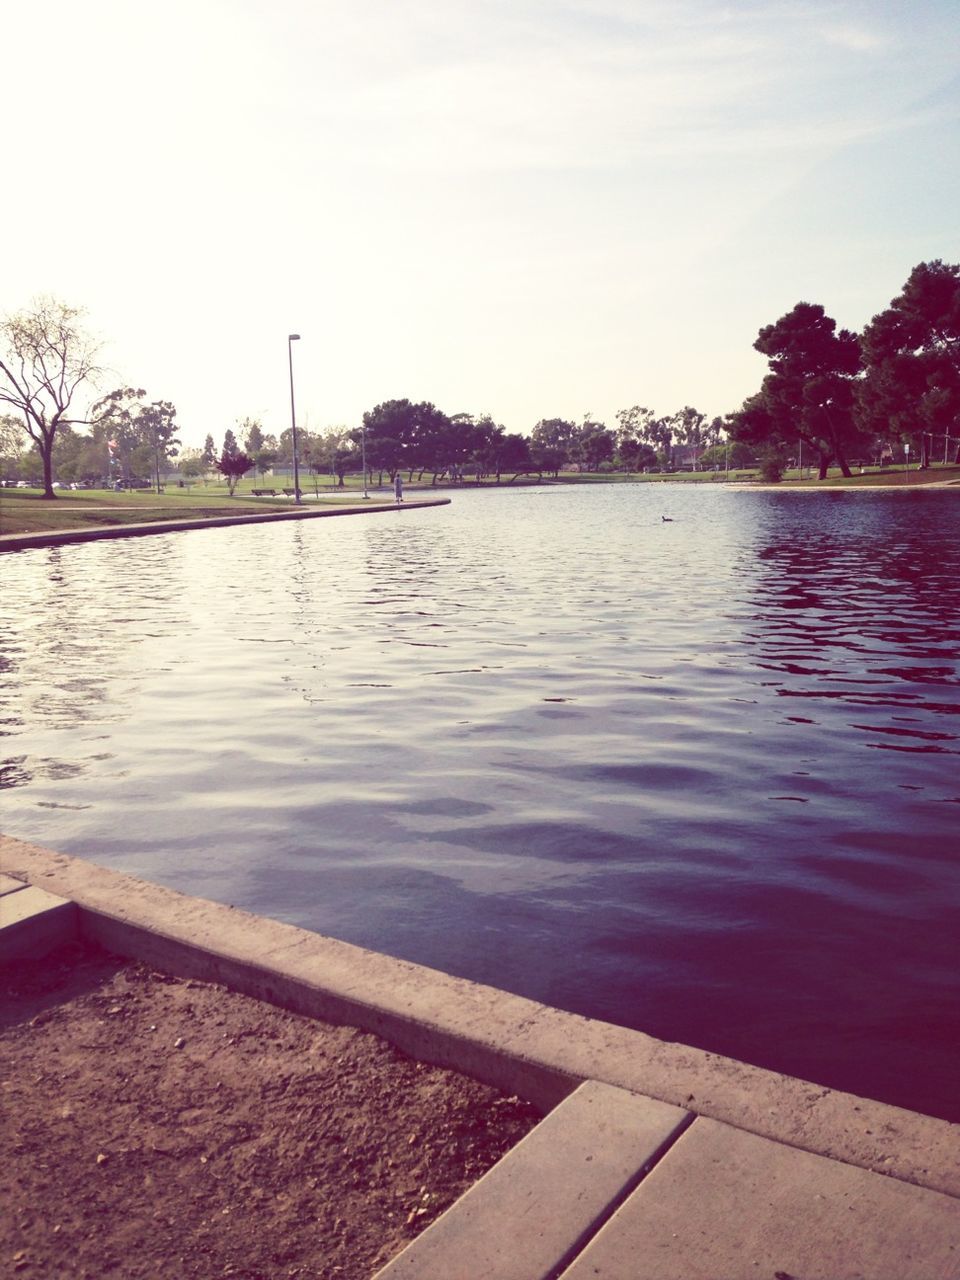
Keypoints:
(809, 392)
(912, 357)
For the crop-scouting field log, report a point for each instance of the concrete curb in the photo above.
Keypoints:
(527, 1048)
(55, 538)
(33, 921)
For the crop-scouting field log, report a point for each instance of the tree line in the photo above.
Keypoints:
(841, 394)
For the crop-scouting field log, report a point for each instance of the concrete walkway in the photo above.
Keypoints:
(613, 1183)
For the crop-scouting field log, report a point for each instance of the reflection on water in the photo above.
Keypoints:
(698, 778)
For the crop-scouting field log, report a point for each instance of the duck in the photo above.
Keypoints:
(667, 519)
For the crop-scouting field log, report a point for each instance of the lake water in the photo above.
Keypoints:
(699, 777)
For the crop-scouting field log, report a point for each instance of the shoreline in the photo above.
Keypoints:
(97, 533)
(514, 1043)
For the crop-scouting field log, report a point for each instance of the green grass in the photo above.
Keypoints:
(26, 510)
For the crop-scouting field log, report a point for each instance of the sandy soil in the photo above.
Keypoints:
(157, 1127)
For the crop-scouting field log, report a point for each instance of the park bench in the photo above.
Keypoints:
(264, 493)
(291, 492)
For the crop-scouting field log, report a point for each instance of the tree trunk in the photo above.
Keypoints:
(46, 457)
(844, 465)
(824, 466)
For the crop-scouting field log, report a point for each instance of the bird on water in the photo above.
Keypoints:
(667, 519)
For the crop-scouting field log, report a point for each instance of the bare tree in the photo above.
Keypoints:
(47, 356)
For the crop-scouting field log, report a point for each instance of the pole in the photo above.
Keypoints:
(291, 339)
(800, 468)
(363, 456)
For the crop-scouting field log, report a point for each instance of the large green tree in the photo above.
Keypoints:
(553, 443)
(139, 438)
(809, 392)
(404, 436)
(46, 360)
(912, 359)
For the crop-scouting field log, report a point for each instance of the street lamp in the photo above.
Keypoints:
(363, 455)
(291, 339)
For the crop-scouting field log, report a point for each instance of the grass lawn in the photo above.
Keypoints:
(26, 511)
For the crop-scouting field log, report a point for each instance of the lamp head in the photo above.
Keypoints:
(293, 337)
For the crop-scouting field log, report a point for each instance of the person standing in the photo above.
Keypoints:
(398, 487)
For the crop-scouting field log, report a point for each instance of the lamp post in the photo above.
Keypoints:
(363, 455)
(291, 339)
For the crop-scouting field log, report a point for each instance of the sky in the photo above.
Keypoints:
(527, 208)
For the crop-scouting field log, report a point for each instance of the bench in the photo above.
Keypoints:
(291, 493)
(264, 493)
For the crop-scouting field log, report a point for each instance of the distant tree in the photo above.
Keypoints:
(140, 438)
(114, 430)
(209, 454)
(192, 465)
(251, 432)
(11, 446)
(403, 436)
(45, 360)
(809, 392)
(690, 427)
(461, 441)
(501, 452)
(233, 466)
(640, 423)
(264, 459)
(230, 447)
(912, 359)
(595, 445)
(554, 442)
(156, 426)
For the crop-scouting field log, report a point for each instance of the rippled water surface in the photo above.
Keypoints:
(699, 777)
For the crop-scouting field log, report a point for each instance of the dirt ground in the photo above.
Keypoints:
(157, 1127)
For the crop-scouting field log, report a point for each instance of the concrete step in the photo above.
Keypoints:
(727, 1205)
(532, 1211)
(33, 922)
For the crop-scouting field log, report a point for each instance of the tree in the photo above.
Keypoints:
(233, 466)
(912, 357)
(46, 359)
(209, 454)
(140, 438)
(501, 451)
(156, 425)
(11, 446)
(595, 445)
(114, 430)
(553, 441)
(230, 447)
(690, 427)
(402, 436)
(809, 392)
(251, 432)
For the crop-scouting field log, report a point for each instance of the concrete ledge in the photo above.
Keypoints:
(97, 533)
(33, 922)
(727, 1203)
(531, 1213)
(524, 1047)
(9, 885)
